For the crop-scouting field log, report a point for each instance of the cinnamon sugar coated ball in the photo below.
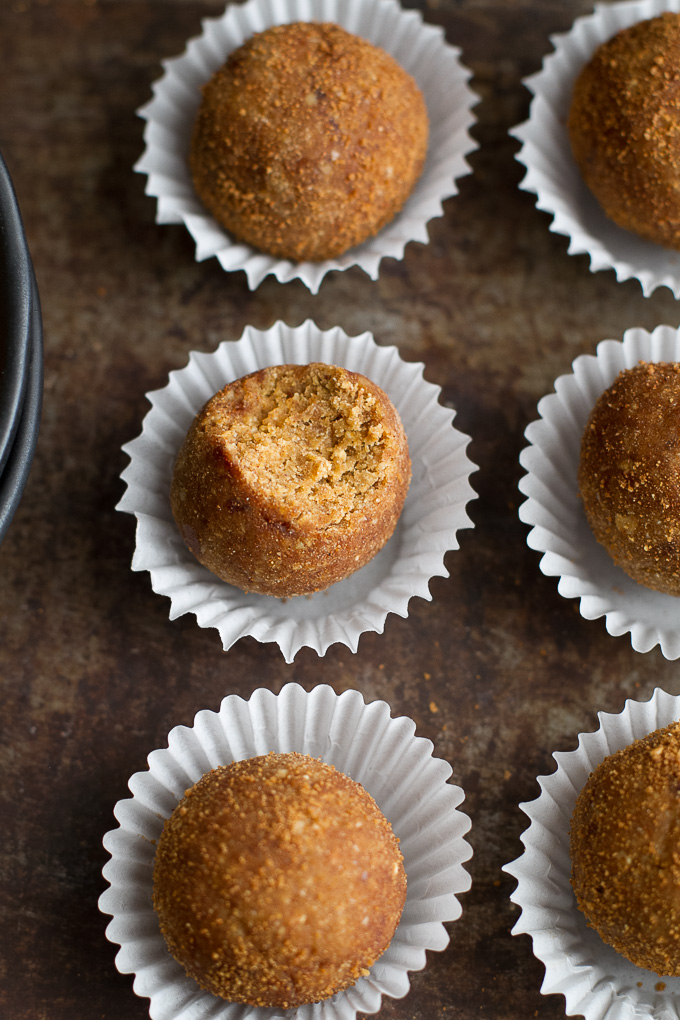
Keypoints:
(308, 141)
(291, 478)
(629, 473)
(624, 126)
(277, 881)
(625, 851)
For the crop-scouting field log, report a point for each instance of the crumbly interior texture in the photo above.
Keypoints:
(629, 473)
(624, 126)
(625, 851)
(308, 141)
(278, 881)
(291, 478)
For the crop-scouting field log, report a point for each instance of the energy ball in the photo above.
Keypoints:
(629, 473)
(277, 881)
(625, 851)
(308, 141)
(624, 126)
(291, 478)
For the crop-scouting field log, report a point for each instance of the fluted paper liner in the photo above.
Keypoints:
(552, 173)
(596, 981)
(363, 741)
(433, 512)
(560, 529)
(420, 49)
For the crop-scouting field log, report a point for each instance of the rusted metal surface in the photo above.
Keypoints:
(497, 670)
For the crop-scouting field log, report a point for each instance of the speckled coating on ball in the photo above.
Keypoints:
(629, 473)
(308, 141)
(278, 881)
(624, 126)
(625, 851)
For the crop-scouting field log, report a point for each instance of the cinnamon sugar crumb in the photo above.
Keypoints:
(264, 863)
(625, 851)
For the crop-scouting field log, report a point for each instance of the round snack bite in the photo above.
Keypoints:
(625, 840)
(624, 128)
(629, 473)
(277, 881)
(291, 478)
(308, 141)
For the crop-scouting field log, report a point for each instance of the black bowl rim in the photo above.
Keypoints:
(20, 458)
(16, 290)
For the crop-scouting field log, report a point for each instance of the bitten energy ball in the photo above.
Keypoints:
(277, 881)
(625, 851)
(629, 474)
(308, 141)
(291, 478)
(624, 126)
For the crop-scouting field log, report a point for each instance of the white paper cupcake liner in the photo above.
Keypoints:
(596, 981)
(552, 173)
(560, 529)
(361, 740)
(419, 48)
(433, 512)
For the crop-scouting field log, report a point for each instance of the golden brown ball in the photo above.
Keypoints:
(308, 141)
(291, 478)
(277, 881)
(625, 851)
(624, 126)
(629, 473)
